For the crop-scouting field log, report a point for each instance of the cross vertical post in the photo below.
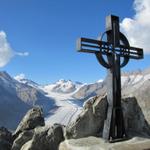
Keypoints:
(114, 124)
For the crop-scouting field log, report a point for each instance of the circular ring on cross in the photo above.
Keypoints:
(107, 50)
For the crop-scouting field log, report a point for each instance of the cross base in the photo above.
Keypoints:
(118, 140)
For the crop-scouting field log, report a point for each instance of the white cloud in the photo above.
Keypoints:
(137, 29)
(22, 54)
(6, 52)
(20, 77)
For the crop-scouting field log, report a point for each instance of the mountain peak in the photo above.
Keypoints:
(62, 81)
(63, 86)
(20, 77)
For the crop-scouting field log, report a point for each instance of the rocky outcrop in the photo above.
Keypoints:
(32, 119)
(45, 138)
(5, 139)
(31, 133)
(90, 122)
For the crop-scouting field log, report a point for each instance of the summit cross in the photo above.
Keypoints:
(113, 54)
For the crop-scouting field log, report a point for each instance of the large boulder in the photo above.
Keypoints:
(45, 138)
(32, 119)
(5, 139)
(141, 92)
(134, 119)
(91, 120)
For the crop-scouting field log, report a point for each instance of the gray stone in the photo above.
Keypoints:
(141, 92)
(5, 139)
(93, 143)
(27, 146)
(90, 121)
(135, 121)
(23, 137)
(45, 138)
(32, 119)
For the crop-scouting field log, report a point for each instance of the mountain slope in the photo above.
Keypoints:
(16, 98)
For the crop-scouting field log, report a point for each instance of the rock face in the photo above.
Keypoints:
(139, 88)
(45, 138)
(143, 98)
(90, 122)
(5, 139)
(135, 121)
(32, 119)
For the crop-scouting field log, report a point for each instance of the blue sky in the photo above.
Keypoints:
(43, 35)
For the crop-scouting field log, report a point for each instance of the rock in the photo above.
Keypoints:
(141, 92)
(5, 139)
(90, 121)
(45, 138)
(23, 137)
(32, 119)
(143, 98)
(135, 121)
(93, 143)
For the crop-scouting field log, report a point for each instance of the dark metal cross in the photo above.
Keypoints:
(113, 54)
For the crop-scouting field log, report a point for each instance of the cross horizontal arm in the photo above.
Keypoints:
(85, 42)
(94, 46)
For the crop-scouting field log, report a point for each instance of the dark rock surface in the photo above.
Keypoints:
(5, 139)
(23, 137)
(135, 121)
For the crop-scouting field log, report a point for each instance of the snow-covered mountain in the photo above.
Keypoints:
(22, 79)
(63, 86)
(61, 101)
(69, 96)
(16, 98)
(129, 80)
